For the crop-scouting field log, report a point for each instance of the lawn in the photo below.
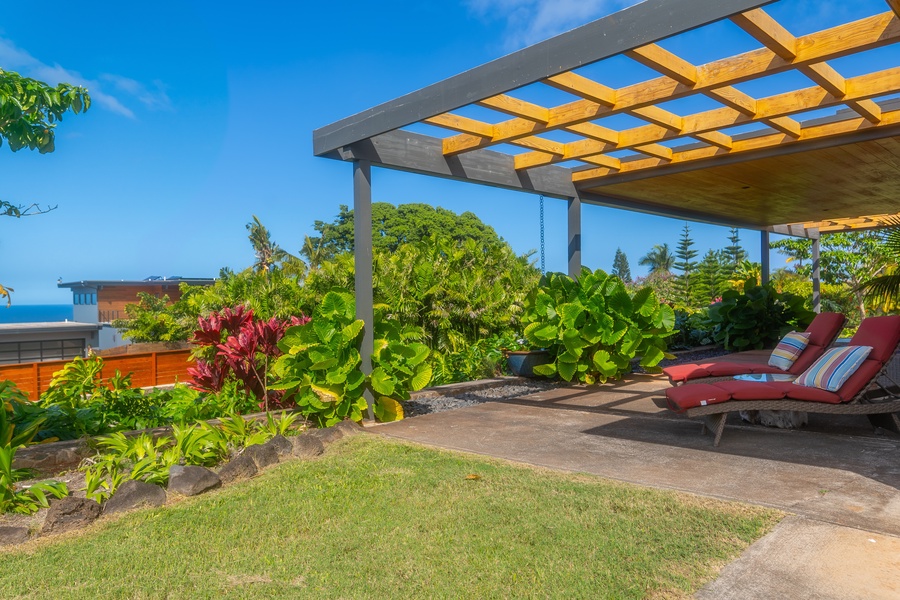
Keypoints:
(380, 518)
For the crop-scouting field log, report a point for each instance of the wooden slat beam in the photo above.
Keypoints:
(716, 139)
(461, 124)
(864, 34)
(601, 160)
(588, 89)
(595, 132)
(867, 109)
(829, 79)
(655, 150)
(601, 176)
(661, 60)
(734, 98)
(517, 108)
(768, 32)
(660, 117)
(547, 148)
(785, 125)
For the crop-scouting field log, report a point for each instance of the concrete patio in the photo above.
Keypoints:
(837, 477)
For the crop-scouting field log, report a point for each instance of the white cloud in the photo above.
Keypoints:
(531, 21)
(110, 91)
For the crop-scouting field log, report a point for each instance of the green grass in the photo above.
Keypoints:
(379, 518)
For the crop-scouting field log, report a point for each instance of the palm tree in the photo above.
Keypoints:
(269, 255)
(659, 259)
(885, 289)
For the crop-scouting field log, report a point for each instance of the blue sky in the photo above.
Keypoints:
(203, 116)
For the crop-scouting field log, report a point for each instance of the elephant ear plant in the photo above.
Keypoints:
(593, 328)
(400, 366)
(321, 364)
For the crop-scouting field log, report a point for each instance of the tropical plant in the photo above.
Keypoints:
(691, 329)
(756, 318)
(242, 350)
(29, 110)
(659, 259)
(393, 226)
(620, 268)
(154, 319)
(27, 499)
(884, 289)
(399, 366)
(685, 255)
(320, 366)
(593, 327)
(734, 254)
(480, 359)
(80, 402)
(14, 498)
(269, 255)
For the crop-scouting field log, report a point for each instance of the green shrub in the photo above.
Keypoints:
(757, 318)
(691, 329)
(593, 327)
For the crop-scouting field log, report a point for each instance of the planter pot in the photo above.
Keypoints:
(523, 362)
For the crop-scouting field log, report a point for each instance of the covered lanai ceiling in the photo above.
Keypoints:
(794, 127)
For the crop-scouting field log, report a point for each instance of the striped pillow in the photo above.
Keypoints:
(834, 368)
(788, 349)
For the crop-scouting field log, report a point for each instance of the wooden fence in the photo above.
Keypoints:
(149, 368)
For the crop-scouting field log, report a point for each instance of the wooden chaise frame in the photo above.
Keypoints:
(864, 403)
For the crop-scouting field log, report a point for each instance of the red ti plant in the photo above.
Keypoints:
(243, 348)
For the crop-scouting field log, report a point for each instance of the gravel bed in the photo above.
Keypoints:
(424, 406)
(435, 404)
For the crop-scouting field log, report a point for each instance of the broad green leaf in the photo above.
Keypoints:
(352, 330)
(566, 370)
(644, 302)
(548, 370)
(381, 382)
(665, 317)
(422, 378)
(603, 363)
(652, 356)
(387, 409)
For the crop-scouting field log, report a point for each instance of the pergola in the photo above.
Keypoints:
(771, 163)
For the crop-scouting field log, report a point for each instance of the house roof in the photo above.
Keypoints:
(788, 136)
(93, 283)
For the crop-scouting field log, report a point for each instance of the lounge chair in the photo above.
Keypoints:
(860, 394)
(823, 330)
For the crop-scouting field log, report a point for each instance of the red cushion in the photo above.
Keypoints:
(684, 372)
(809, 355)
(882, 333)
(728, 368)
(756, 369)
(750, 390)
(688, 396)
(807, 394)
(856, 382)
(824, 328)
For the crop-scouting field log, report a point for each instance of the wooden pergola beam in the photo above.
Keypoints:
(895, 6)
(871, 32)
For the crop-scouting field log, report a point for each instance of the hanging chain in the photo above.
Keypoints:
(543, 269)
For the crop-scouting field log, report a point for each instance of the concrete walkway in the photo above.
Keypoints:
(840, 480)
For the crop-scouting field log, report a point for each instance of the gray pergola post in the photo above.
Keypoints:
(764, 256)
(816, 276)
(574, 226)
(362, 244)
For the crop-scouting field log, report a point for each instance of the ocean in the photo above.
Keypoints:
(35, 313)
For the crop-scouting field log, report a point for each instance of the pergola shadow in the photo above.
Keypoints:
(843, 442)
